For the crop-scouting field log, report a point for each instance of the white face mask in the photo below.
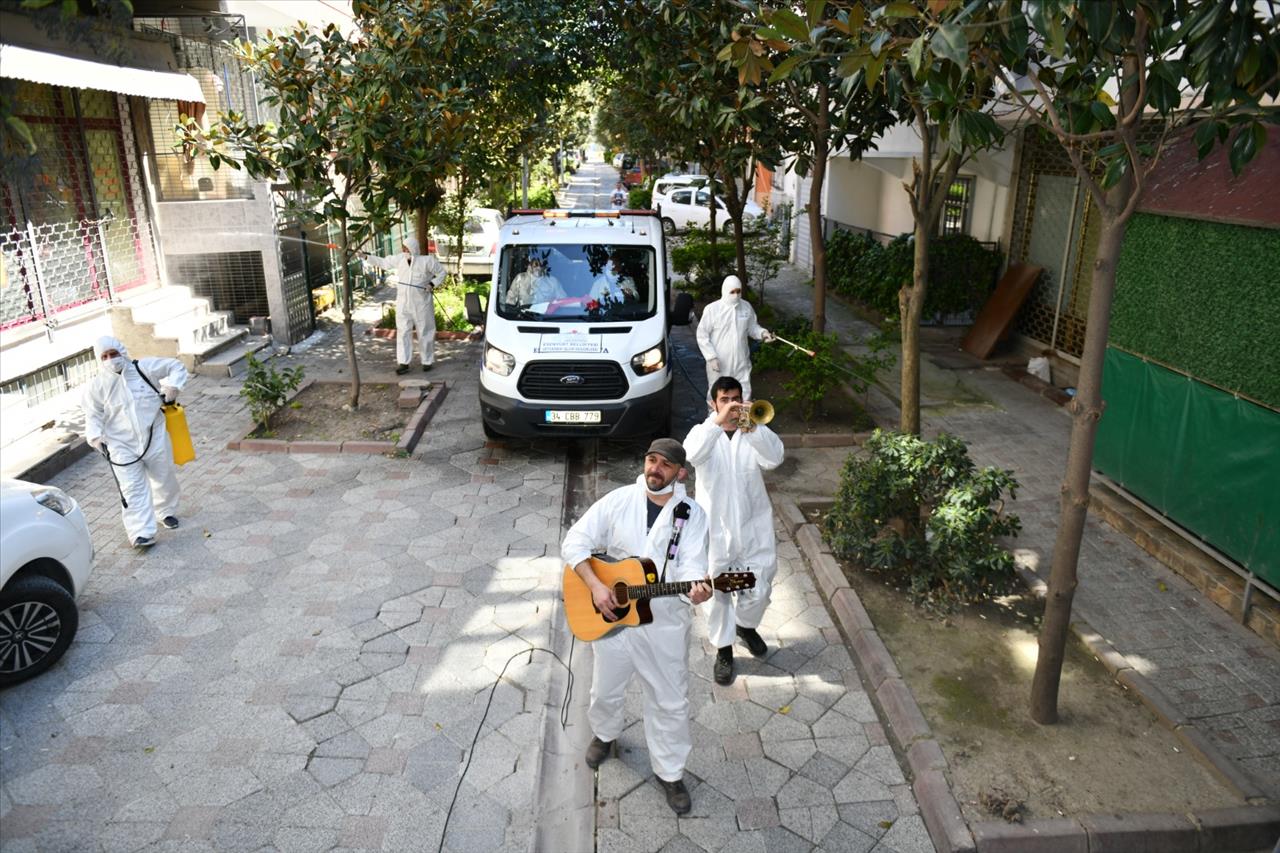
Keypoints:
(115, 364)
(732, 298)
(670, 487)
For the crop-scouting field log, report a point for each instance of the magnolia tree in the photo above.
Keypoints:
(1114, 83)
(798, 58)
(323, 142)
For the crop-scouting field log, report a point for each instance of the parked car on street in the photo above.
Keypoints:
(663, 187)
(690, 206)
(479, 243)
(46, 555)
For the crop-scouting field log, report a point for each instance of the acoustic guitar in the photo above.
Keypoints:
(634, 584)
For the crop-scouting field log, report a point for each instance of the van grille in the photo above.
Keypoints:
(601, 380)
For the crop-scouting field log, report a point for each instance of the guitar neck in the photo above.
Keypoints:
(658, 590)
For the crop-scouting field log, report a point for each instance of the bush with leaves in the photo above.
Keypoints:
(450, 302)
(692, 259)
(962, 272)
(639, 198)
(266, 389)
(921, 512)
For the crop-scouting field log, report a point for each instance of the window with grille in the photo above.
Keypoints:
(226, 86)
(48, 382)
(958, 208)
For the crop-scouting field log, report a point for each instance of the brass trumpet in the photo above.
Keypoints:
(753, 414)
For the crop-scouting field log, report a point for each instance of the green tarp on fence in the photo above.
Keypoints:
(1207, 459)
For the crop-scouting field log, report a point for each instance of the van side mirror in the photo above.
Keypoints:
(475, 308)
(681, 310)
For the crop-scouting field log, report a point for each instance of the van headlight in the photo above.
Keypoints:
(54, 499)
(497, 361)
(651, 360)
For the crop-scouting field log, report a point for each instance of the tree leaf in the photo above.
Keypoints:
(852, 63)
(1099, 16)
(814, 10)
(1249, 139)
(900, 9)
(785, 67)
(915, 55)
(1206, 135)
(952, 44)
(790, 25)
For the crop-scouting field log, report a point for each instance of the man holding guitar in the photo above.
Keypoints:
(730, 462)
(644, 519)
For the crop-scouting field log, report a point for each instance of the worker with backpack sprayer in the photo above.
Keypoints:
(131, 415)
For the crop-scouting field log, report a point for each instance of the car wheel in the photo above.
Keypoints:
(668, 227)
(38, 620)
(488, 430)
(727, 227)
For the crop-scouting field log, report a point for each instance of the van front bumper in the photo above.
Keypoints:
(640, 416)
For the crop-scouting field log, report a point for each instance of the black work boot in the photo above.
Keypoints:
(597, 751)
(724, 666)
(755, 643)
(402, 369)
(677, 796)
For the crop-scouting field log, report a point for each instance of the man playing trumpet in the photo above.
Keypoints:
(730, 453)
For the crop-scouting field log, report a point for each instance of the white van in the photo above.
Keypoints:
(576, 327)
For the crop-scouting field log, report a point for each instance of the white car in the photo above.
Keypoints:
(479, 243)
(670, 182)
(691, 206)
(46, 555)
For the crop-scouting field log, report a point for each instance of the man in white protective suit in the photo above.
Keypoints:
(613, 285)
(416, 276)
(730, 462)
(534, 286)
(638, 521)
(722, 335)
(123, 421)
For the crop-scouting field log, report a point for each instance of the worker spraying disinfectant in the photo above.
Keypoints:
(417, 275)
(125, 420)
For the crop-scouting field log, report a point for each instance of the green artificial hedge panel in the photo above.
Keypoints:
(1201, 456)
(1203, 298)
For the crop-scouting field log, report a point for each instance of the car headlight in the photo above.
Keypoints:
(652, 359)
(497, 361)
(54, 499)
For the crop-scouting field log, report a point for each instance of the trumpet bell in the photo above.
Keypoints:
(761, 412)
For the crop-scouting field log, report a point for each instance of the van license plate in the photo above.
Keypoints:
(575, 417)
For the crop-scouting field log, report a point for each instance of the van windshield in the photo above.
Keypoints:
(567, 282)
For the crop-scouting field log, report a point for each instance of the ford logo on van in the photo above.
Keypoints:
(571, 379)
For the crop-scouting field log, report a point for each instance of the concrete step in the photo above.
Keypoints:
(193, 354)
(232, 359)
(190, 329)
(172, 305)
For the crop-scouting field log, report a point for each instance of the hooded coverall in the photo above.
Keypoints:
(120, 410)
(656, 653)
(722, 336)
(416, 274)
(731, 490)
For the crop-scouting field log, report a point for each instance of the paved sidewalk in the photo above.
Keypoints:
(1219, 674)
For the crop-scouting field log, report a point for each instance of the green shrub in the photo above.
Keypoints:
(639, 198)
(266, 389)
(450, 302)
(388, 318)
(541, 197)
(692, 259)
(962, 272)
(921, 512)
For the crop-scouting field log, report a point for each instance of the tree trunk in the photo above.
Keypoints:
(422, 217)
(817, 244)
(348, 324)
(711, 211)
(910, 306)
(1086, 410)
(736, 203)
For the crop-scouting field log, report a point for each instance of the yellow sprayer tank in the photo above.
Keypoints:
(175, 421)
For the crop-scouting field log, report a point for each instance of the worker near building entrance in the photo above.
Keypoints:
(730, 462)
(124, 422)
(723, 331)
(638, 521)
(417, 275)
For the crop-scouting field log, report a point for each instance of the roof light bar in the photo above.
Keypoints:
(580, 214)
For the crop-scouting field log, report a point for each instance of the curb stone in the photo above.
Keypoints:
(1240, 828)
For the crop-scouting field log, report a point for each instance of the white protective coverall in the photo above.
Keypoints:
(534, 288)
(657, 653)
(119, 408)
(722, 336)
(731, 490)
(416, 274)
